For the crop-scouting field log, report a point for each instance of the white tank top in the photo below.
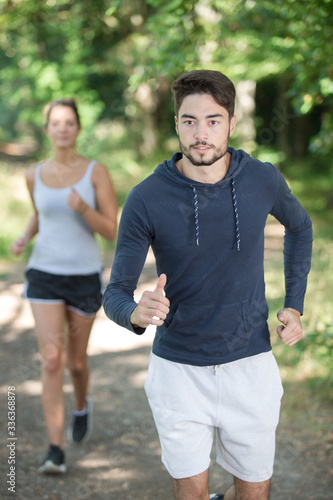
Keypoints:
(65, 243)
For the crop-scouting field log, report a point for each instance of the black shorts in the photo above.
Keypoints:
(82, 293)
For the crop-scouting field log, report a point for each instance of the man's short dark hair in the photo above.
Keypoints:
(204, 81)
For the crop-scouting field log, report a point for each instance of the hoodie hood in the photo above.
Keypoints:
(239, 159)
(169, 170)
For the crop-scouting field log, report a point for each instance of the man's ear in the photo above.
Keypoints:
(176, 125)
(233, 122)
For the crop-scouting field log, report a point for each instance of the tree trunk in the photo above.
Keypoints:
(245, 107)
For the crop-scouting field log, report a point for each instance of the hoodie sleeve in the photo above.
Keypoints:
(133, 241)
(297, 243)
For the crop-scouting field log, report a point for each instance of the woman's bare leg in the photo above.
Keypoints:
(78, 337)
(50, 326)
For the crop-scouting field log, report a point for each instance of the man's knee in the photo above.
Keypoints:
(252, 491)
(192, 487)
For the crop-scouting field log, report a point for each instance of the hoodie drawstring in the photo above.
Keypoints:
(234, 201)
(196, 215)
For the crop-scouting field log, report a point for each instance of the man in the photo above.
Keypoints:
(211, 367)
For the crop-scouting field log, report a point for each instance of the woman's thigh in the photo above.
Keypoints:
(79, 329)
(50, 322)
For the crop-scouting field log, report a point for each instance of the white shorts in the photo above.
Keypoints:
(241, 400)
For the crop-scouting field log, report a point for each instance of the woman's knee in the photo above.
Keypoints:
(54, 360)
(77, 366)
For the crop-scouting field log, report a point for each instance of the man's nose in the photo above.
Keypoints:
(201, 132)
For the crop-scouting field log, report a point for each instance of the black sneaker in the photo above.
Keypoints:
(80, 430)
(213, 496)
(54, 462)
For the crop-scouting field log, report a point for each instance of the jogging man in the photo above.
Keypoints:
(203, 213)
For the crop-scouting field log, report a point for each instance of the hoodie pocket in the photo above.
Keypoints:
(209, 329)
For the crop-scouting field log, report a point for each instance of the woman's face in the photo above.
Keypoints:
(62, 128)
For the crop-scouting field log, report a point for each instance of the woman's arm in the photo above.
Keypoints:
(18, 246)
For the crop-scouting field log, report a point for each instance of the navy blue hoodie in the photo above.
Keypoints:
(209, 241)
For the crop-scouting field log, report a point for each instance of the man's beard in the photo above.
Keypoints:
(217, 153)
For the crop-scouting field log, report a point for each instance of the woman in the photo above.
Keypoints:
(73, 198)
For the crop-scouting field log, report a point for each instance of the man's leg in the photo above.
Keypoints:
(248, 491)
(182, 400)
(252, 392)
(196, 488)
(192, 488)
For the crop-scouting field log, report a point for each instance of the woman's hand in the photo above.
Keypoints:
(76, 203)
(18, 246)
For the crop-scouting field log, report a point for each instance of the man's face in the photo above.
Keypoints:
(203, 129)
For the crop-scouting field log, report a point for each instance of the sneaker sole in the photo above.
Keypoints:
(89, 428)
(51, 468)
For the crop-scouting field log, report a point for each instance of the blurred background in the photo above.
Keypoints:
(118, 59)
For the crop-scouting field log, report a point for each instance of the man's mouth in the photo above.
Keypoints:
(201, 148)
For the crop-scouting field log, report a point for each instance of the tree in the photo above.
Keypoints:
(118, 58)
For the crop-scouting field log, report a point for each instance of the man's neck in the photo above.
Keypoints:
(207, 174)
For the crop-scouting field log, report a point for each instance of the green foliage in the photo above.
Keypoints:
(311, 358)
(46, 47)
(319, 343)
(118, 58)
(14, 207)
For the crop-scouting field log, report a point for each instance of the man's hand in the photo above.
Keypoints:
(291, 331)
(153, 307)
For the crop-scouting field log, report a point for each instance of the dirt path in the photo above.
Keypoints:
(122, 459)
